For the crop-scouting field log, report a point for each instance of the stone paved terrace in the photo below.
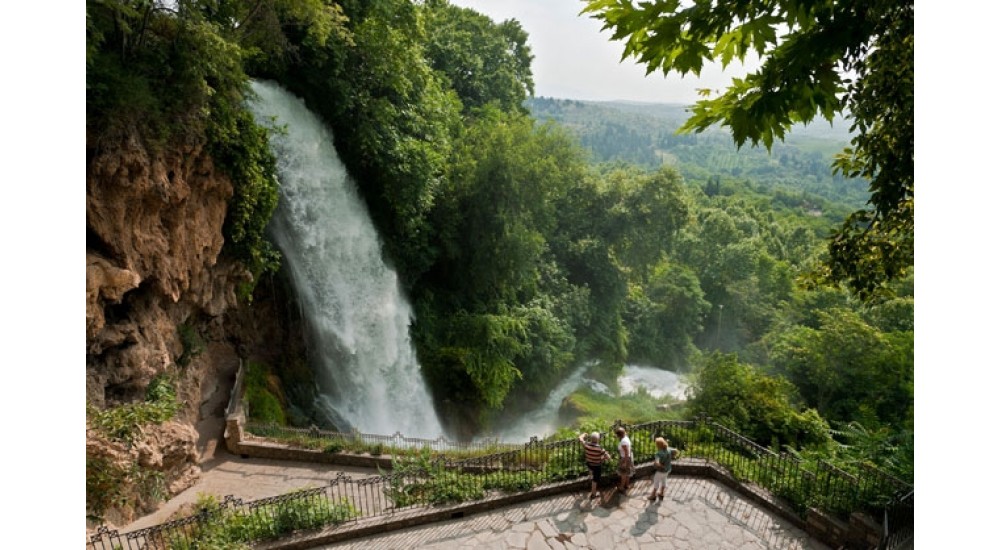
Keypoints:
(697, 513)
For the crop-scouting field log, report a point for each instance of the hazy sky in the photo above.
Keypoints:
(574, 59)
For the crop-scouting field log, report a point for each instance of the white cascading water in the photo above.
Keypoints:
(657, 382)
(359, 320)
(544, 420)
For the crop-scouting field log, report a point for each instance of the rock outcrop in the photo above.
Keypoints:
(154, 237)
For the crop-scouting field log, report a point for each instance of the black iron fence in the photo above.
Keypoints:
(357, 442)
(802, 485)
(897, 523)
(220, 524)
(428, 477)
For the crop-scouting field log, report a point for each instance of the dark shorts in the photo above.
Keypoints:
(595, 472)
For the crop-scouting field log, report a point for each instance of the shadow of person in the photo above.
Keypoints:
(649, 516)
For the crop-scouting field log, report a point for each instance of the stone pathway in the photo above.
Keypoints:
(247, 479)
(696, 514)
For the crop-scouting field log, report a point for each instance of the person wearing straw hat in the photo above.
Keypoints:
(594, 455)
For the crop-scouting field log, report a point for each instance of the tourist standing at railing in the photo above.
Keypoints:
(662, 464)
(626, 469)
(595, 456)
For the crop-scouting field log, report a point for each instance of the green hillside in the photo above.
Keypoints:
(645, 134)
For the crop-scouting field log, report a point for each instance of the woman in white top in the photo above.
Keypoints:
(625, 466)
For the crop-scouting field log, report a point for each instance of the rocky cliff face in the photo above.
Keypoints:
(154, 236)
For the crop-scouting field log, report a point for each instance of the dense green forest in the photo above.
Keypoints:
(527, 246)
(646, 134)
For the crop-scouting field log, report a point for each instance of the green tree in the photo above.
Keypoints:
(273, 33)
(729, 248)
(484, 61)
(752, 403)
(664, 317)
(498, 205)
(847, 369)
(502, 308)
(834, 55)
(644, 212)
(580, 246)
(393, 117)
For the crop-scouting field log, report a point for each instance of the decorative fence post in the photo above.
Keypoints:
(106, 538)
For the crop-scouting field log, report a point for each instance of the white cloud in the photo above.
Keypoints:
(574, 59)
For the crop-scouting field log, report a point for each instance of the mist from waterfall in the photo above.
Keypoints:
(357, 316)
(544, 420)
(657, 382)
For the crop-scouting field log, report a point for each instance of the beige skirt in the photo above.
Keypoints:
(625, 467)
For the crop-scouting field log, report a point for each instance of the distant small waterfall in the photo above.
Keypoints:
(357, 316)
(657, 382)
(543, 420)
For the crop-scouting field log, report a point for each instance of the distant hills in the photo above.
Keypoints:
(644, 134)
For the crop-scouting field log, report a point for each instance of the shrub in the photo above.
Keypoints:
(110, 486)
(123, 423)
(241, 148)
(230, 529)
(192, 342)
(105, 486)
(263, 405)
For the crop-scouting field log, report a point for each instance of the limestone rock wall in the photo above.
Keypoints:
(154, 237)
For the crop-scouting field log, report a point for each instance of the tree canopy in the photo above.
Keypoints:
(520, 257)
(484, 61)
(833, 55)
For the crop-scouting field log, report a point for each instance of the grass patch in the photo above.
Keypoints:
(587, 407)
(265, 400)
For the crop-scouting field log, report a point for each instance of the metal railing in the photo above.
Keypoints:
(422, 482)
(358, 442)
(236, 394)
(427, 478)
(821, 485)
(897, 523)
(234, 520)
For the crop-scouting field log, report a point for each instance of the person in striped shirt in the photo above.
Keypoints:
(594, 455)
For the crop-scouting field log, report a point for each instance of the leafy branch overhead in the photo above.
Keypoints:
(817, 58)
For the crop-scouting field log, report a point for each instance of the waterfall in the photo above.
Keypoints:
(357, 317)
(657, 382)
(543, 420)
